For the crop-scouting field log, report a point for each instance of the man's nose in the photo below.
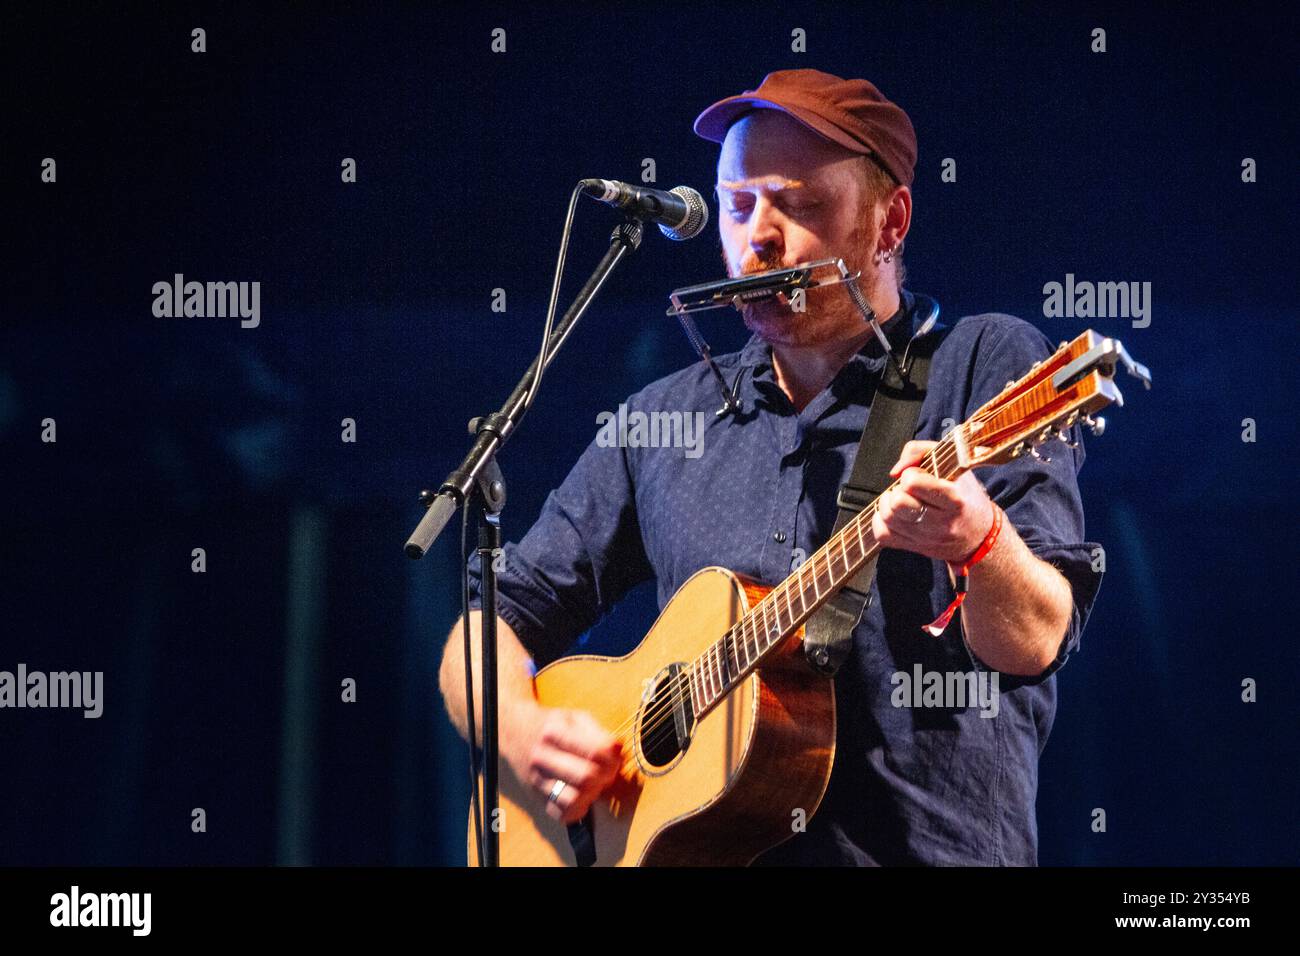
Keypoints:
(766, 239)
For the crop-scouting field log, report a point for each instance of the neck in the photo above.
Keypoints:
(803, 371)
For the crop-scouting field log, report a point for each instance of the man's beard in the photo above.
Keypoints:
(828, 312)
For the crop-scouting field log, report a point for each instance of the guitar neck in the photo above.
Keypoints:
(791, 603)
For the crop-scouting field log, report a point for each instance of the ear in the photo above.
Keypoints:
(898, 217)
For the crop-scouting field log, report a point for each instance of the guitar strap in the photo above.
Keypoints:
(891, 423)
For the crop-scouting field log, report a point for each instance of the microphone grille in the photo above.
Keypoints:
(697, 216)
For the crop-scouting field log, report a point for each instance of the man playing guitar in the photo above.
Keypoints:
(813, 167)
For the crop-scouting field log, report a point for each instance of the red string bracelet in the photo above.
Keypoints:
(940, 624)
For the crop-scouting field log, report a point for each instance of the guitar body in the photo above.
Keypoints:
(731, 793)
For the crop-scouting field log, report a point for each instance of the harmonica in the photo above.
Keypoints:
(759, 286)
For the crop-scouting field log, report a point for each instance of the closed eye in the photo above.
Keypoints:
(738, 207)
(798, 201)
(794, 202)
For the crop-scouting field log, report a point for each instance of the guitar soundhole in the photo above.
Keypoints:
(667, 717)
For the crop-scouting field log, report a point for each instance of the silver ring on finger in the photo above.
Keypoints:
(920, 514)
(556, 790)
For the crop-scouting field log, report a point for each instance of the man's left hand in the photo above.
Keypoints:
(955, 516)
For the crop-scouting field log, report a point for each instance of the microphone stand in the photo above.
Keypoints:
(478, 483)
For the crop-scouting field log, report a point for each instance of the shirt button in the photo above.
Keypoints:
(778, 537)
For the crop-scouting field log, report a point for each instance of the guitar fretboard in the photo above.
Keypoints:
(797, 598)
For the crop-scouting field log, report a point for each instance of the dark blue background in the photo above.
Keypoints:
(222, 689)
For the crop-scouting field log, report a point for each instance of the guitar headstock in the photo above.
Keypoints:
(1057, 393)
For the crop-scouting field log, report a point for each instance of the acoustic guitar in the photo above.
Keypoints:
(728, 733)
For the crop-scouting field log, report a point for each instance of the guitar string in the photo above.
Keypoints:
(655, 727)
(654, 724)
(657, 724)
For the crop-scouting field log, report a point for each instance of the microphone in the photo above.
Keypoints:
(681, 212)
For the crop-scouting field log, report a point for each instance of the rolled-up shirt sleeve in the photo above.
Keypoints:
(575, 563)
(1040, 498)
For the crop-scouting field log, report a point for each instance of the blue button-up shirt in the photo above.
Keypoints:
(756, 494)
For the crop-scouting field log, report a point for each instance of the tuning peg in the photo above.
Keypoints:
(1037, 456)
(1018, 450)
(1064, 435)
(1096, 425)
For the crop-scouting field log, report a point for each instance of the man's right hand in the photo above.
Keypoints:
(554, 743)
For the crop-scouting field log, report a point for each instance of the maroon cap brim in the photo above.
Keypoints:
(714, 122)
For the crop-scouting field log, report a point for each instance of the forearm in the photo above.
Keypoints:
(1017, 608)
(514, 684)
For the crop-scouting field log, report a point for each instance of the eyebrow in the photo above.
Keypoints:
(770, 182)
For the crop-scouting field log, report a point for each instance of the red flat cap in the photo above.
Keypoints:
(852, 113)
